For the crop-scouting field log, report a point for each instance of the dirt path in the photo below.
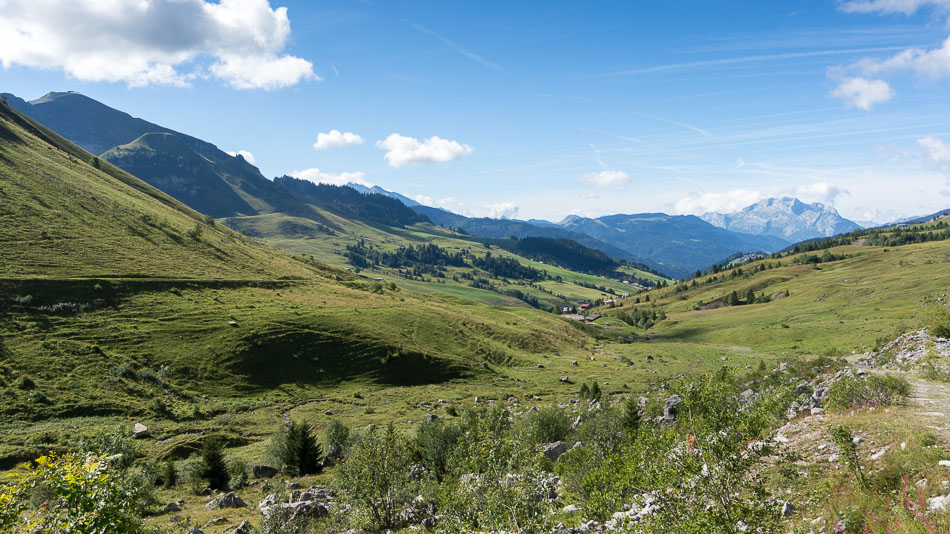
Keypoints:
(932, 401)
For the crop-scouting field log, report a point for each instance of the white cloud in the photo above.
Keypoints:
(143, 42)
(502, 210)
(336, 138)
(455, 206)
(319, 177)
(936, 153)
(248, 157)
(824, 192)
(933, 64)
(402, 150)
(425, 200)
(590, 196)
(605, 178)
(729, 202)
(907, 7)
(735, 200)
(863, 93)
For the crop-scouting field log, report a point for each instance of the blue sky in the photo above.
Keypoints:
(531, 109)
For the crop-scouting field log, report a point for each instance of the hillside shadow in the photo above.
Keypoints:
(313, 358)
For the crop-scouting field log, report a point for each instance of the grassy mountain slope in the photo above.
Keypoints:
(63, 217)
(834, 307)
(132, 305)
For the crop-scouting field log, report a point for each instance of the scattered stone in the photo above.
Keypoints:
(553, 451)
(243, 528)
(571, 508)
(195, 530)
(228, 500)
(171, 507)
(944, 463)
(564, 379)
(672, 407)
(232, 323)
(264, 471)
(787, 509)
(430, 417)
(817, 411)
(540, 366)
(879, 454)
(484, 365)
(938, 504)
(140, 431)
(574, 363)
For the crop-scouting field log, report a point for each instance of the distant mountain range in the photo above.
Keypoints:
(213, 182)
(785, 218)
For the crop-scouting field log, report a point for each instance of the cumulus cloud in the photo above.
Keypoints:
(933, 64)
(907, 7)
(824, 192)
(402, 150)
(248, 157)
(319, 177)
(336, 138)
(862, 93)
(425, 200)
(735, 200)
(502, 210)
(605, 178)
(453, 205)
(936, 153)
(729, 202)
(143, 42)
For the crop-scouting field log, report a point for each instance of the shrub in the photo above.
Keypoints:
(25, 383)
(211, 468)
(111, 441)
(547, 425)
(301, 454)
(844, 440)
(433, 444)
(88, 495)
(938, 320)
(870, 390)
(374, 479)
(239, 473)
(336, 435)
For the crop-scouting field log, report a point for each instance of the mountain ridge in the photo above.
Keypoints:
(787, 218)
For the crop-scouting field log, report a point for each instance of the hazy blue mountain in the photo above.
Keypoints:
(786, 218)
(679, 244)
(505, 228)
(380, 191)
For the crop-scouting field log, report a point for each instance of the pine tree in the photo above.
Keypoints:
(732, 299)
(212, 467)
(631, 415)
(301, 452)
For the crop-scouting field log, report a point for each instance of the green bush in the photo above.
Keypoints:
(938, 320)
(374, 479)
(433, 444)
(547, 425)
(336, 434)
(239, 473)
(852, 392)
(86, 495)
(110, 442)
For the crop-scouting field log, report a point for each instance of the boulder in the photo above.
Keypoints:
(564, 379)
(171, 507)
(672, 407)
(429, 418)
(264, 471)
(228, 500)
(140, 431)
(243, 528)
(334, 453)
(787, 509)
(553, 451)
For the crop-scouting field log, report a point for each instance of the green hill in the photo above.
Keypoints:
(117, 301)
